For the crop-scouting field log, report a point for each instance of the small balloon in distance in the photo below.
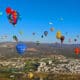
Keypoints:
(45, 33)
(51, 29)
(75, 40)
(77, 36)
(70, 40)
(50, 23)
(37, 43)
(42, 36)
(15, 38)
(61, 19)
(62, 39)
(1, 13)
(33, 33)
(21, 32)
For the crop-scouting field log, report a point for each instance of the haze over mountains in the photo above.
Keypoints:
(8, 50)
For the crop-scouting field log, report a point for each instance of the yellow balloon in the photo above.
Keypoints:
(20, 32)
(58, 35)
(30, 75)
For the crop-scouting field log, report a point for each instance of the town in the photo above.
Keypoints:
(54, 64)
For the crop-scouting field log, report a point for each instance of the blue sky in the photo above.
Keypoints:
(36, 15)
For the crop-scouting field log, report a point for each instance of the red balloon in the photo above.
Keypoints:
(62, 39)
(8, 10)
(76, 50)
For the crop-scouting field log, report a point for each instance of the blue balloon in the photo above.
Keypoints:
(21, 48)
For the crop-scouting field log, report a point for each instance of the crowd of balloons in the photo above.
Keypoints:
(13, 18)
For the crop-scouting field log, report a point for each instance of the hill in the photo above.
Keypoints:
(7, 49)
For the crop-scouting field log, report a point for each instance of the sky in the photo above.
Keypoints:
(36, 16)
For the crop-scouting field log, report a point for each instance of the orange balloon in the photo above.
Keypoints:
(77, 51)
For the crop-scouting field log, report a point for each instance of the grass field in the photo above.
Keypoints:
(44, 76)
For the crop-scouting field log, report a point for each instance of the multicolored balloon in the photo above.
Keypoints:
(21, 48)
(12, 15)
(15, 38)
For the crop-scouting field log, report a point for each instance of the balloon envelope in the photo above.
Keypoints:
(12, 15)
(70, 40)
(15, 38)
(76, 50)
(45, 33)
(30, 75)
(58, 35)
(20, 32)
(21, 48)
(33, 33)
(62, 39)
(75, 40)
(42, 36)
(52, 29)
(37, 42)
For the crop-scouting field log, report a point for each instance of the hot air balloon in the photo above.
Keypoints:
(75, 40)
(70, 40)
(77, 36)
(45, 33)
(37, 43)
(51, 29)
(12, 15)
(61, 19)
(77, 51)
(66, 33)
(62, 39)
(30, 75)
(21, 48)
(42, 36)
(1, 13)
(58, 35)
(20, 32)
(15, 38)
(33, 33)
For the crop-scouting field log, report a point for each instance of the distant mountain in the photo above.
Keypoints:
(7, 49)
